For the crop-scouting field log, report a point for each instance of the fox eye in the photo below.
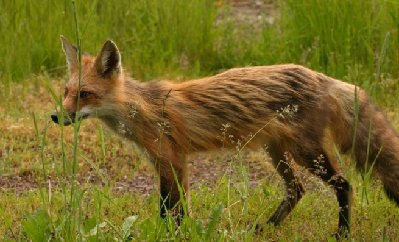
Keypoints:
(84, 94)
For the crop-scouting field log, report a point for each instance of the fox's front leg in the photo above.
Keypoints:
(174, 187)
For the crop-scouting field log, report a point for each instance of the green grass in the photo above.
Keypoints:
(154, 34)
(337, 35)
(189, 38)
(68, 176)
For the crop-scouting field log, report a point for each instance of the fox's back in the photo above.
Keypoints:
(238, 103)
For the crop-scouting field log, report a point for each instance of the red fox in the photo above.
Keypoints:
(299, 114)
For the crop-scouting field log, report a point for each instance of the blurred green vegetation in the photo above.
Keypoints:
(169, 38)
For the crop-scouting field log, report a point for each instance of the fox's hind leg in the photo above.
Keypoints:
(319, 163)
(294, 188)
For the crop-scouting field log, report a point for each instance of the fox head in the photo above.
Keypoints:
(100, 78)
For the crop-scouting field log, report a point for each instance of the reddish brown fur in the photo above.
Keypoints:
(294, 111)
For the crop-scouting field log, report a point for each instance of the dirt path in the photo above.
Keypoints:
(204, 170)
(253, 12)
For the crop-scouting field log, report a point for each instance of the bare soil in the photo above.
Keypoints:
(204, 170)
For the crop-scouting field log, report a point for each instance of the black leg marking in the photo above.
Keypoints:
(170, 200)
(294, 188)
(321, 167)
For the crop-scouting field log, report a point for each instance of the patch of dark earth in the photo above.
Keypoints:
(204, 171)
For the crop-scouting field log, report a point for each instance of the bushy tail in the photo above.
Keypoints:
(378, 146)
(361, 128)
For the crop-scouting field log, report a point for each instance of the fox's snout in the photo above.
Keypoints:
(54, 117)
(68, 119)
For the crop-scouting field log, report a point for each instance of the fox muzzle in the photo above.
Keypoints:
(68, 118)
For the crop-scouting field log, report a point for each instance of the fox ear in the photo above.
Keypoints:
(108, 61)
(71, 54)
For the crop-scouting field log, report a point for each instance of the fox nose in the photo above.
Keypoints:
(54, 117)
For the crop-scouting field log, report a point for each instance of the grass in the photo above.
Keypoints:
(72, 183)
(99, 176)
(155, 34)
(189, 38)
